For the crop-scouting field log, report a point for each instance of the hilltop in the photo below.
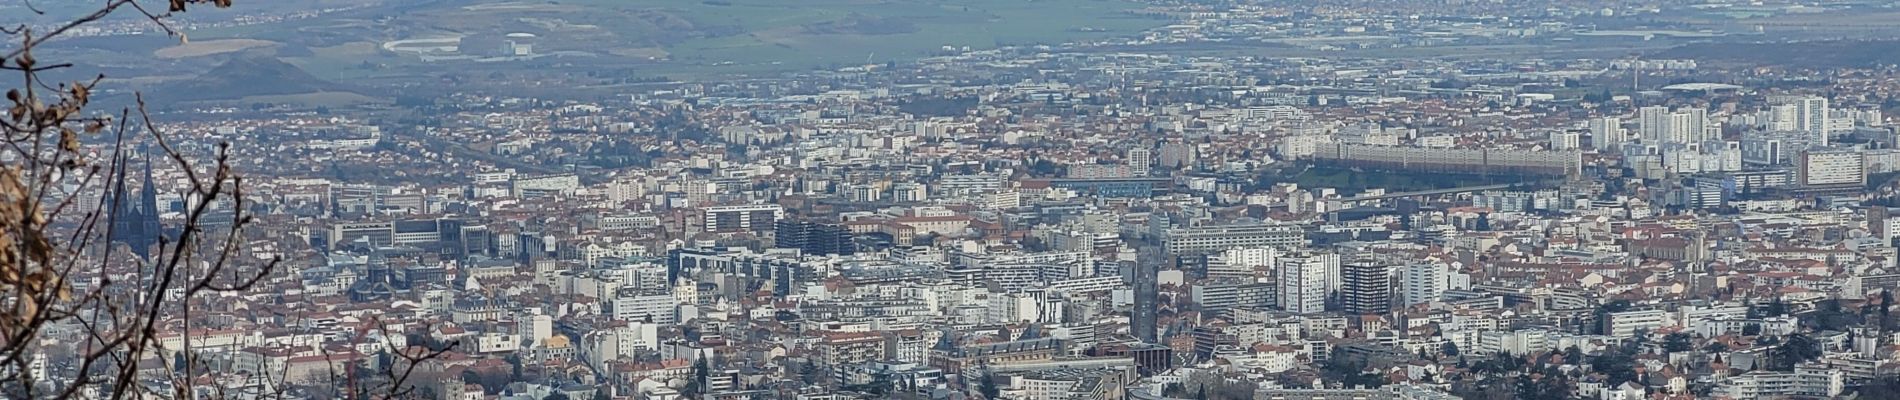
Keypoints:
(247, 76)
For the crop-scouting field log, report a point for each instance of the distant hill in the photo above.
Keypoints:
(1816, 54)
(210, 47)
(860, 24)
(246, 76)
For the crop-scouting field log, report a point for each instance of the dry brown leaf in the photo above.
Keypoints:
(68, 140)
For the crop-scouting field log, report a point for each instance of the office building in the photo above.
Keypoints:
(477, 240)
(813, 238)
(425, 231)
(752, 218)
(1207, 339)
(365, 234)
(1705, 192)
(1207, 239)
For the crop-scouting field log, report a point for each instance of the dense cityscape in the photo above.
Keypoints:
(1162, 215)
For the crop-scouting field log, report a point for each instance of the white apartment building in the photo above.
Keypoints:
(1424, 282)
(1806, 380)
(1606, 133)
(652, 308)
(1625, 324)
(1830, 168)
(622, 341)
(1514, 342)
(1304, 280)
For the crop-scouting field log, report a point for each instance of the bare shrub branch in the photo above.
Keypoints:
(68, 286)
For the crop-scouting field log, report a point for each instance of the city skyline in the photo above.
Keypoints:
(950, 200)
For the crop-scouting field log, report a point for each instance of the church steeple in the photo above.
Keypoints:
(134, 224)
(148, 204)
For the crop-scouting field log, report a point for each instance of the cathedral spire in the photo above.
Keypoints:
(134, 224)
(148, 193)
(148, 206)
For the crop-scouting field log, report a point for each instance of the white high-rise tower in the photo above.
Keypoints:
(1812, 116)
(1424, 282)
(1606, 133)
(1304, 280)
(1654, 124)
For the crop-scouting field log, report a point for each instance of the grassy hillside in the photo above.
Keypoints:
(1817, 54)
(247, 76)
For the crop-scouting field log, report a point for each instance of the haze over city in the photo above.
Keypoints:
(949, 199)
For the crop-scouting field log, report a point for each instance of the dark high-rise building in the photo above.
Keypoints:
(813, 238)
(135, 224)
(1366, 288)
(1152, 359)
(531, 245)
(1209, 338)
(477, 240)
(790, 234)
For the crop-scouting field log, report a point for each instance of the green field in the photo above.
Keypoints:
(980, 24)
(713, 37)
